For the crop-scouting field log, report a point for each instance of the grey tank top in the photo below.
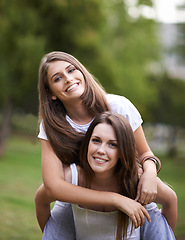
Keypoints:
(94, 225)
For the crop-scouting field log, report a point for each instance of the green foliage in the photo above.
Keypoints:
(31, 28)
(132, 44)
(180, 47)
(171, 102)
(26, 124)
(20, 50)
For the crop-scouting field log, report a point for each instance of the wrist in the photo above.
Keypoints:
(149, 166)
(150, 161)
(116, 199)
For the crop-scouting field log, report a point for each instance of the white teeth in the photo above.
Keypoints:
(100, 160)
(71, 87)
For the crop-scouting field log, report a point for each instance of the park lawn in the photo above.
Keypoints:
(20, 176)
(173, 173)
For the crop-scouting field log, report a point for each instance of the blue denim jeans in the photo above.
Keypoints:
(60, 225)
(158, 228)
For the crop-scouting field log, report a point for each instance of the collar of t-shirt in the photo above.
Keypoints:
(78, 127)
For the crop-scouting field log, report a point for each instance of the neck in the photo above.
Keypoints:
(78, 113)
(104, 183)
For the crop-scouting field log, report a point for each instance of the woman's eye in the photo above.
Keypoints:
(113, 145)
(72, 70)
(95, 140)
(58, 78)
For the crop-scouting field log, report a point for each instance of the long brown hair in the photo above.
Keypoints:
(126, 169)
(64, 140)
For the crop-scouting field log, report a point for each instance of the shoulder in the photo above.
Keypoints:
(116, 98)
(70, 175)
(121, 105)
(42, 133)
(117, 101)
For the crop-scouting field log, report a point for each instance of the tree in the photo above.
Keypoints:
(170, 107)
(20, 51)
(131, 46)
(180, 47)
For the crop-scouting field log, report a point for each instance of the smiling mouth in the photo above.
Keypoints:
(72, 87)
(100, 160)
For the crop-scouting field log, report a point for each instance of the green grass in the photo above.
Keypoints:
(20, 176)
(173, 172)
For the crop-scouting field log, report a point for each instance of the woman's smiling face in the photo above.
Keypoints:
(66, 82)
(102, 152)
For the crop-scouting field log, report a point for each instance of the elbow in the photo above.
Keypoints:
(173, 197)
(51, 190)
(37, 195)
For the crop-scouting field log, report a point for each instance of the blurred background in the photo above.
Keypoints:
(136, 48)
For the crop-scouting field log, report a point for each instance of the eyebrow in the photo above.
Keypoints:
(115, 140)
(59, 72)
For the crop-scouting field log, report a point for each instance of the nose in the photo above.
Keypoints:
(68, 79)
(101, 150)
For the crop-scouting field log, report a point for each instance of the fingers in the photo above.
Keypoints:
(138, 192)
(145, 212)
(138, 217)
(146, 198)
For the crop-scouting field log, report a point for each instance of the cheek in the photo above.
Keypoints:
(80, 76)
(115, 156)
(91, 149)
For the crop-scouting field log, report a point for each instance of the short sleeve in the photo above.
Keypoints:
(123, 106)
(42, 133)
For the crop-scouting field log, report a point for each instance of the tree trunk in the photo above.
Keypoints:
(5, 127)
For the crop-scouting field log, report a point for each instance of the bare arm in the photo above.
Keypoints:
(133, 209)
(147, 187)
(42, 205)
(168, 199)
(57, 188)
(53, 178)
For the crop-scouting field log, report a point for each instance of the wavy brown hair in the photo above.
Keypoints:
(64, 140)
(126, 171)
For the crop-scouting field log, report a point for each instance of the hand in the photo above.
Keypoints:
(147, 187)
(134, 210)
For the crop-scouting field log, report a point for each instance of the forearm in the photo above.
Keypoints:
(42, 205)
(67, 192)
(168, 199)
(144, 151)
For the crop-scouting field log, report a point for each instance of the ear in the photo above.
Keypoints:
(53, 97)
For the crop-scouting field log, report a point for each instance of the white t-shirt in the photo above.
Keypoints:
(118, 104)
(95, 225)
